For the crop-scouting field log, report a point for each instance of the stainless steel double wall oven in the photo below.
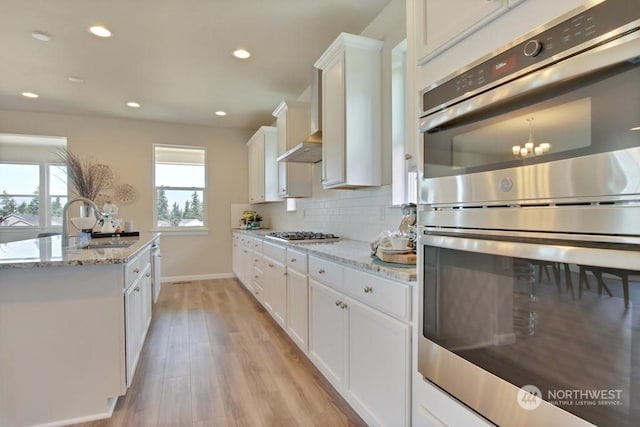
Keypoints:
(530, 225)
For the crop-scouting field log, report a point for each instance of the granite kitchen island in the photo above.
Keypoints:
(72, 325)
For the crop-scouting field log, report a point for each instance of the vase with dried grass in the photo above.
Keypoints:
(85, 179)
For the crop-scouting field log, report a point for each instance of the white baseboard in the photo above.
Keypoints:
(197, 277)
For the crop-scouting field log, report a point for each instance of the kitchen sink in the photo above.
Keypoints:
(106, 245)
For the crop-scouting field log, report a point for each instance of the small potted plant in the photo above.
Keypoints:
(252, 220)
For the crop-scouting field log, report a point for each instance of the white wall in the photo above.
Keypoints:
(356, 214)
(126, 146)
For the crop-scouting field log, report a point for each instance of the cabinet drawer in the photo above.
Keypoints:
(297, 260)
(136, 266)
(391, 297)
(326, 272)
(256, 244)
(275, 252)
(257, 277)
(258, 261)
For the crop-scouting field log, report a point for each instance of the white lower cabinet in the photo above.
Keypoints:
(137, 303)
(298, 309)
(378, 361)
(363, 351)
(276, 284)
(354, 326)
(298, 298)
(327, 332)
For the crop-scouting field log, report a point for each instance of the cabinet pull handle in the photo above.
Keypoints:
(136, 270)
(408, 157)
(321, 271)
(270, 265)
(368, 289)
(338, 302)
(137, 289)
(293, 260)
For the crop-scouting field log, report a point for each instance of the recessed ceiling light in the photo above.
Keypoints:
(133, 104)
(30, 95)
(241, 54)
(221, 113)
(75, 79)
(40, 35)
(100, 31)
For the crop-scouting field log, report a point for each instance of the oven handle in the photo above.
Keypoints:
(623, 49)
(562, 253)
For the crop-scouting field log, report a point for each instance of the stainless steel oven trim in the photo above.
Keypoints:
(615, 173)
(616, 51)
(477, 388)
(579, 239)
(607, 223)
(562, 253)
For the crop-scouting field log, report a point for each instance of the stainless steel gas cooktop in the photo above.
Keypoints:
(302, 237)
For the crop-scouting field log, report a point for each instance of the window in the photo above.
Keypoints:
(33, 187)
(180, 187)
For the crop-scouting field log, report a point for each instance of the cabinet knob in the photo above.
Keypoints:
(338, 302)
(293, 260)
(137, 289)
(147, 275)
(408, 157)
(270, 265)
(285, 273)
(136, 270)
(321, 271)
(368, 289)
(343, 305)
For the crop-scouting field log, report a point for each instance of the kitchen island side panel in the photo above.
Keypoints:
(61, 343)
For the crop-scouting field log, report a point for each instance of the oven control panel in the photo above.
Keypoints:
(589, 25)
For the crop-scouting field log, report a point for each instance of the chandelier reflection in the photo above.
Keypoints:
(530, 149)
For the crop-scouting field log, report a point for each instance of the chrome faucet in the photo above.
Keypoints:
(65, 219)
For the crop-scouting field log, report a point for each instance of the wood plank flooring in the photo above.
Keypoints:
(214, 357)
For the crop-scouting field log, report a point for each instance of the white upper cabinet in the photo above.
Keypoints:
(351, 112)
(293, 124)
(263, 170)
(442, 23)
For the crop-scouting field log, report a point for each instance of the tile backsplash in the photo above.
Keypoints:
(354, 214)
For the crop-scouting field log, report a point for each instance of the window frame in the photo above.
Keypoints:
(185, 230)
(44, 218)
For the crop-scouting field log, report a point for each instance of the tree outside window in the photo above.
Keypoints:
(180, 187)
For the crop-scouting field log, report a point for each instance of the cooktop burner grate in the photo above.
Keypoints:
(302, 236)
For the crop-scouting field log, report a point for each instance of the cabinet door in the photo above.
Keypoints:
(247, 268)
(380, 344)
(327, 332)
(133, 328)
(298, 308)
(256, 170)
(333, 122)
(442, 23)
(277, 280)
(146, 303)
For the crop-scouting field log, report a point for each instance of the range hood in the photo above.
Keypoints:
(310, 149)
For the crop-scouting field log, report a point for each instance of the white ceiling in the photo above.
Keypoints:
(171, 56)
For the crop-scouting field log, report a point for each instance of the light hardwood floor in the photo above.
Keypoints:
(214, 357)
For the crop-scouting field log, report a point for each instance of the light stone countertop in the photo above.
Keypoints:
(352, 253)
(48, 252)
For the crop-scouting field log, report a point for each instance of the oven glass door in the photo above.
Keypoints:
(552, 317)
(589, 116)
